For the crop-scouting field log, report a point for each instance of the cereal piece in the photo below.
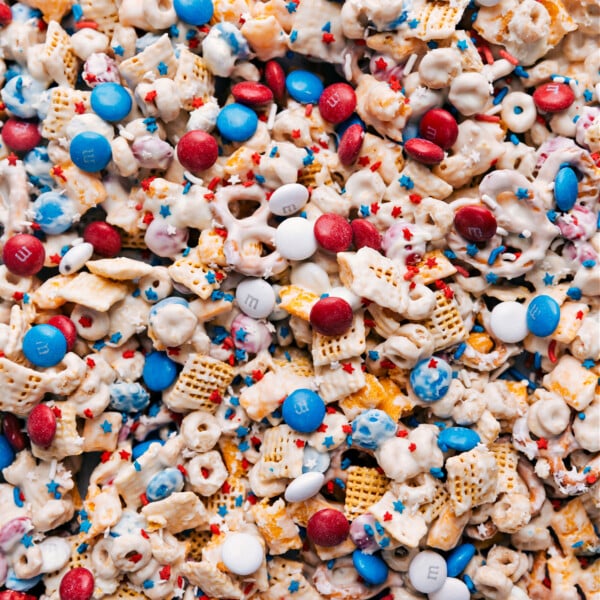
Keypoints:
(211, 580)
(573, 382)
(93, 291)
(434, 265)
(84, 189)
(103, 12)
(210, 247)
(178, 512)
(574, 530)
(64, 104)
(281, 456)
(193, 80)
(509, 481)
(66, 441)
(100, 434)
(195, 275)
(571, 319)
(438, 20)
(364, 487)
(445, 533)
(335, 384)
(53, 10)
(472, 479)
(278, 530)
(282, 572)
(120, 269)
(327, 349)
(445, 323)
(201, 385)
(228, 497)
(58, 58)
(195, 541)
(368, 396)
(145, 65)
(297, 301)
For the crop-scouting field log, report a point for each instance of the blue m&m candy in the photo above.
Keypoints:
(194, 12)
(565, 188)
(111, 101)
(304, 87)
(459, 558)
(90, 151)
(164, 483)
(140, 448)
(543, 315)
(54, 212)
(159, 371)
(303, 410)
(7, 454)
(371, 567)
(458, 438)
(237, 122)
(430, 379)
(44, 345)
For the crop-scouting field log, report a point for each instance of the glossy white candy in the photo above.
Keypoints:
(255, 297)
(304, 487)
(427, 572)
(508, 322)
(350, 297)
(453, 589)
(295, 239)
(288, 199)
(75, 258)
(242, 553)
(311, 277)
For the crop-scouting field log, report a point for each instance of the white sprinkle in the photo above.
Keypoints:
(494, 110)
(271, 119)
(501, 231)
(489, 201)
(124, 133)
(52, 471)
(410, 63)
(192, 178)
(348, 66)
(526, 233)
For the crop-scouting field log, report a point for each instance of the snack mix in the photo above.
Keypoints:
(300, 299)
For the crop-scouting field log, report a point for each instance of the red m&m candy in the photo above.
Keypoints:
(553, 97)
(11, 427)
(66, 327)
(275, 78)
(333, 232)
(104, 237)
(252, 93)
(337, 102)
(12, 595)
(5, 14)
(23, 255)
(331, 316)
(364, 233)
(20, 135)
(197, 151)
(77, 584)
(41, 425)
(475, 223)
(327, 527)
(440, 127)
(424, 151)
(350, 144)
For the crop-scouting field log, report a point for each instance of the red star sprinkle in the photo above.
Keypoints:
(57, 412)
(396, 212)
(88, 413)
(12, 159)
(395, 84)
(226, 488)
(197, 102)
(105, 457)
(296, 133)
(215, 397)
(322, 428)
(300, 443)
(58, 172)
(374, 206)
(431, 262)
(415, 198)
(412, 447)
(150, 96)
(124, 454)
(542, 443)
(402, 433)
(387, 516)
(90, 363)
(128, 354)
(328, 38)
(407, 234)
(432, 363)
(381, 64)
(214, 529)
(579, 315)
(144, 501)
(363, 161)
(375, 166)
(18, 296)
(79, 108)
(165, 572)
(348, 368)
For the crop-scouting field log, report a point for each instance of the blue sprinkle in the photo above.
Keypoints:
(327, 27)
(284, 331)
(491, 278)
(186, 251)
(273, 152)
(115, 338)
(477, 329)
(186, 187)
(82, 547)
(588, 264)
(17, 497)
(514, 139)
(537, 360)
(119, 50)
(469, 583)
(472, 249)
(368, 529)
(494, 254)
(588, 363)
(432, 45)
(148, 584)
(437, 472)
(588, 95)
(364, 210)
(346, 462)
(373, 354)
(137, 466)
(406, 182)
(581, 416)
(519, 71)
(293, 36)
(552, 215)
(578, 544)
(243, 446)
(500, 96)
(449, 254)
(259, 178)
(77, 12)
(330, 563)
(162, 68)
(460, 350)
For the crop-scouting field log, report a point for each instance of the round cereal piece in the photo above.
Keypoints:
(331, 316)
(23, 255)
(508, 322)
(327, 527)
(91, 324)
(90, 151)
(337, 102)
(21, 135)
(44, 345)
(518, 111)
(41, 425)
(250, 335)
(77, 584)
(206, 473)
(333, 233)
(200, 431)
(165, 240)
(103, 237)
(197, 151)
(156, 286)
(469, 93)
(242, 553)
(439, 67)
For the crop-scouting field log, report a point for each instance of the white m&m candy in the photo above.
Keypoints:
(452, 589)
(427, 572)
(242, 553)
(295, 239)
(255, 297)
(508, 322)
(288, 199)
(304, 487)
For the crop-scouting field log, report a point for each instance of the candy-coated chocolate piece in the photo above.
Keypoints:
(475, 223)
(90, 151)
(77, 584)
(5, 14)
(295, 239)
(103, 237)
(236, 122)
(21, 136)
(12, 429)
(303, 410)
(304, 87)
(75, 258)
(44, 345)
(327, 527)
(66, 327)
(333, 232)
(54, 212)
(140, 448)
(314, 461)
(255, 297)
(164, 239)
(440, 127)
(250, 334)
(371, 428)
(252, 93)
(23, 255)
(508, 321)
(275, 78)
(462, 439)
(430, 379)
(424, 151)
(288, 199)
(566, 188)
(350, 144)
(164, 483)
(12, 595)
(128, 397)
(197, 151)
(7, 453)
(331, 316)
(305, 486)
(337, 102)
(194, 12)
(543, 315)
(111, 101)
(371, 567)
(553, 97)
(159, 371)
(362, 532)
(427, 571)
(242, 553)
(459, 558)
(41, 425)
(452, 589)
(364, 233)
